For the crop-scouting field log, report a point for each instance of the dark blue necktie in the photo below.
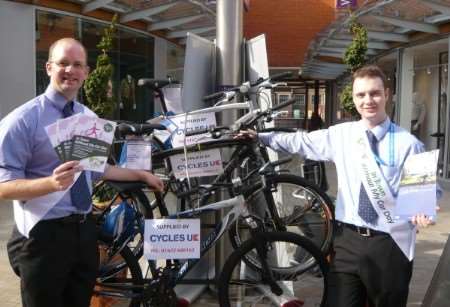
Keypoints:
(365, 208)
(79, 192)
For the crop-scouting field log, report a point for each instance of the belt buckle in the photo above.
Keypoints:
(83, 218)
(363, 231)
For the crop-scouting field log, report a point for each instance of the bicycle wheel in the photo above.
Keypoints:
(119, 281)
(299, 284)
(298, 207)
(126, 228)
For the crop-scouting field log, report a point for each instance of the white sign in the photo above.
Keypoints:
(191, 122)
(199, 164)
(139, 155)
(172, 239)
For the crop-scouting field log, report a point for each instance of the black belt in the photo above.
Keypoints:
(73, 218)
(363, 231)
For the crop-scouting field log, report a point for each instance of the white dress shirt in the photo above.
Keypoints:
(338, 144)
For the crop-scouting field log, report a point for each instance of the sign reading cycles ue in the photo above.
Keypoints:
(173, 238)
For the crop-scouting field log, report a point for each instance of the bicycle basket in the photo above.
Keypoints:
(119, 222)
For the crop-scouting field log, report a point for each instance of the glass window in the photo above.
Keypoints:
(49, 28)
(175, 61)
(298, 108)
(132, 57)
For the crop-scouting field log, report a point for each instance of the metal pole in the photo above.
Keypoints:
(229, 33)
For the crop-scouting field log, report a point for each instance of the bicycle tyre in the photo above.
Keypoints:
(107, 279)
(313, 282)
(140, 203)
(315, 222)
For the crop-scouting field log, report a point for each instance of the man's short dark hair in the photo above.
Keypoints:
(370, 71)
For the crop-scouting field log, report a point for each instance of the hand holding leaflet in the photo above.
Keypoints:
(417, 191)
(82, 138)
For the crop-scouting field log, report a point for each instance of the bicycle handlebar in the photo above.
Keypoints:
(215, 96)
(156, 84)
(273, 78)
(137, 129)
(215, 131)
(247, 85)
(267, 112)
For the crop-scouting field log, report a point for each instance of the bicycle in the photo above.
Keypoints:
(313, 212)
(305, 209)
(276, 276)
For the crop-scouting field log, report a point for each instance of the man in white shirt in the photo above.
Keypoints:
(373, 252)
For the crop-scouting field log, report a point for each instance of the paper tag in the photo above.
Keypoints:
(172, 239)
(199, 164)
(139, 155)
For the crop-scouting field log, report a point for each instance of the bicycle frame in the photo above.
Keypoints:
(238, 208)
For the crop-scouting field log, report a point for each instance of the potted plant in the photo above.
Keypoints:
(354, 58)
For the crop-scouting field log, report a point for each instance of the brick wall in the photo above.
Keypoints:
(289, 26)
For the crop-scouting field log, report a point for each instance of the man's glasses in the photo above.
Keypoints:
(65, 64)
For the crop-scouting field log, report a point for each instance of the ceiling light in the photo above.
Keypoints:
(429, 70)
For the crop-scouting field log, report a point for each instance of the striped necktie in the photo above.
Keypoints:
(79, 192)
(365, 208)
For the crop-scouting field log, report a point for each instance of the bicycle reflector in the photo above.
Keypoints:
(119, 222)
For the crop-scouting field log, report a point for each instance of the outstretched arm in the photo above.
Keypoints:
(123, 174)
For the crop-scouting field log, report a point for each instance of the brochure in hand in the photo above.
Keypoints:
(417, 191)
(83, 138)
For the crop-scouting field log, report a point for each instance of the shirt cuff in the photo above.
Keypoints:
(265, 137)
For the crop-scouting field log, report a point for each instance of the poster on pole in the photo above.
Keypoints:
(199, 72)
(258, 65)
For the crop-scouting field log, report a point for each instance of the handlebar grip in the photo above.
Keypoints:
(138, 129)
(281, 75)
(283, 104)
(273, 78)
(215, 96)
(148, 128)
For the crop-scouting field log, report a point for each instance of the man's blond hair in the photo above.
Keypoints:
(65, 40)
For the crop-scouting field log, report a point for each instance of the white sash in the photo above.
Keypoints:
(380, 195)
(28, 213)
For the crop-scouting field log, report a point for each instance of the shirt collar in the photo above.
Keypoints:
(57, 99)
(381, 130)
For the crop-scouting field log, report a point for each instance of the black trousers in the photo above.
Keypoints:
(57, 264)
(369, 269)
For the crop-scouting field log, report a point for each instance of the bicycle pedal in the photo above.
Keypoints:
(182, 302)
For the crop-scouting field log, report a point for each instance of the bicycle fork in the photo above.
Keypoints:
(267, 274)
